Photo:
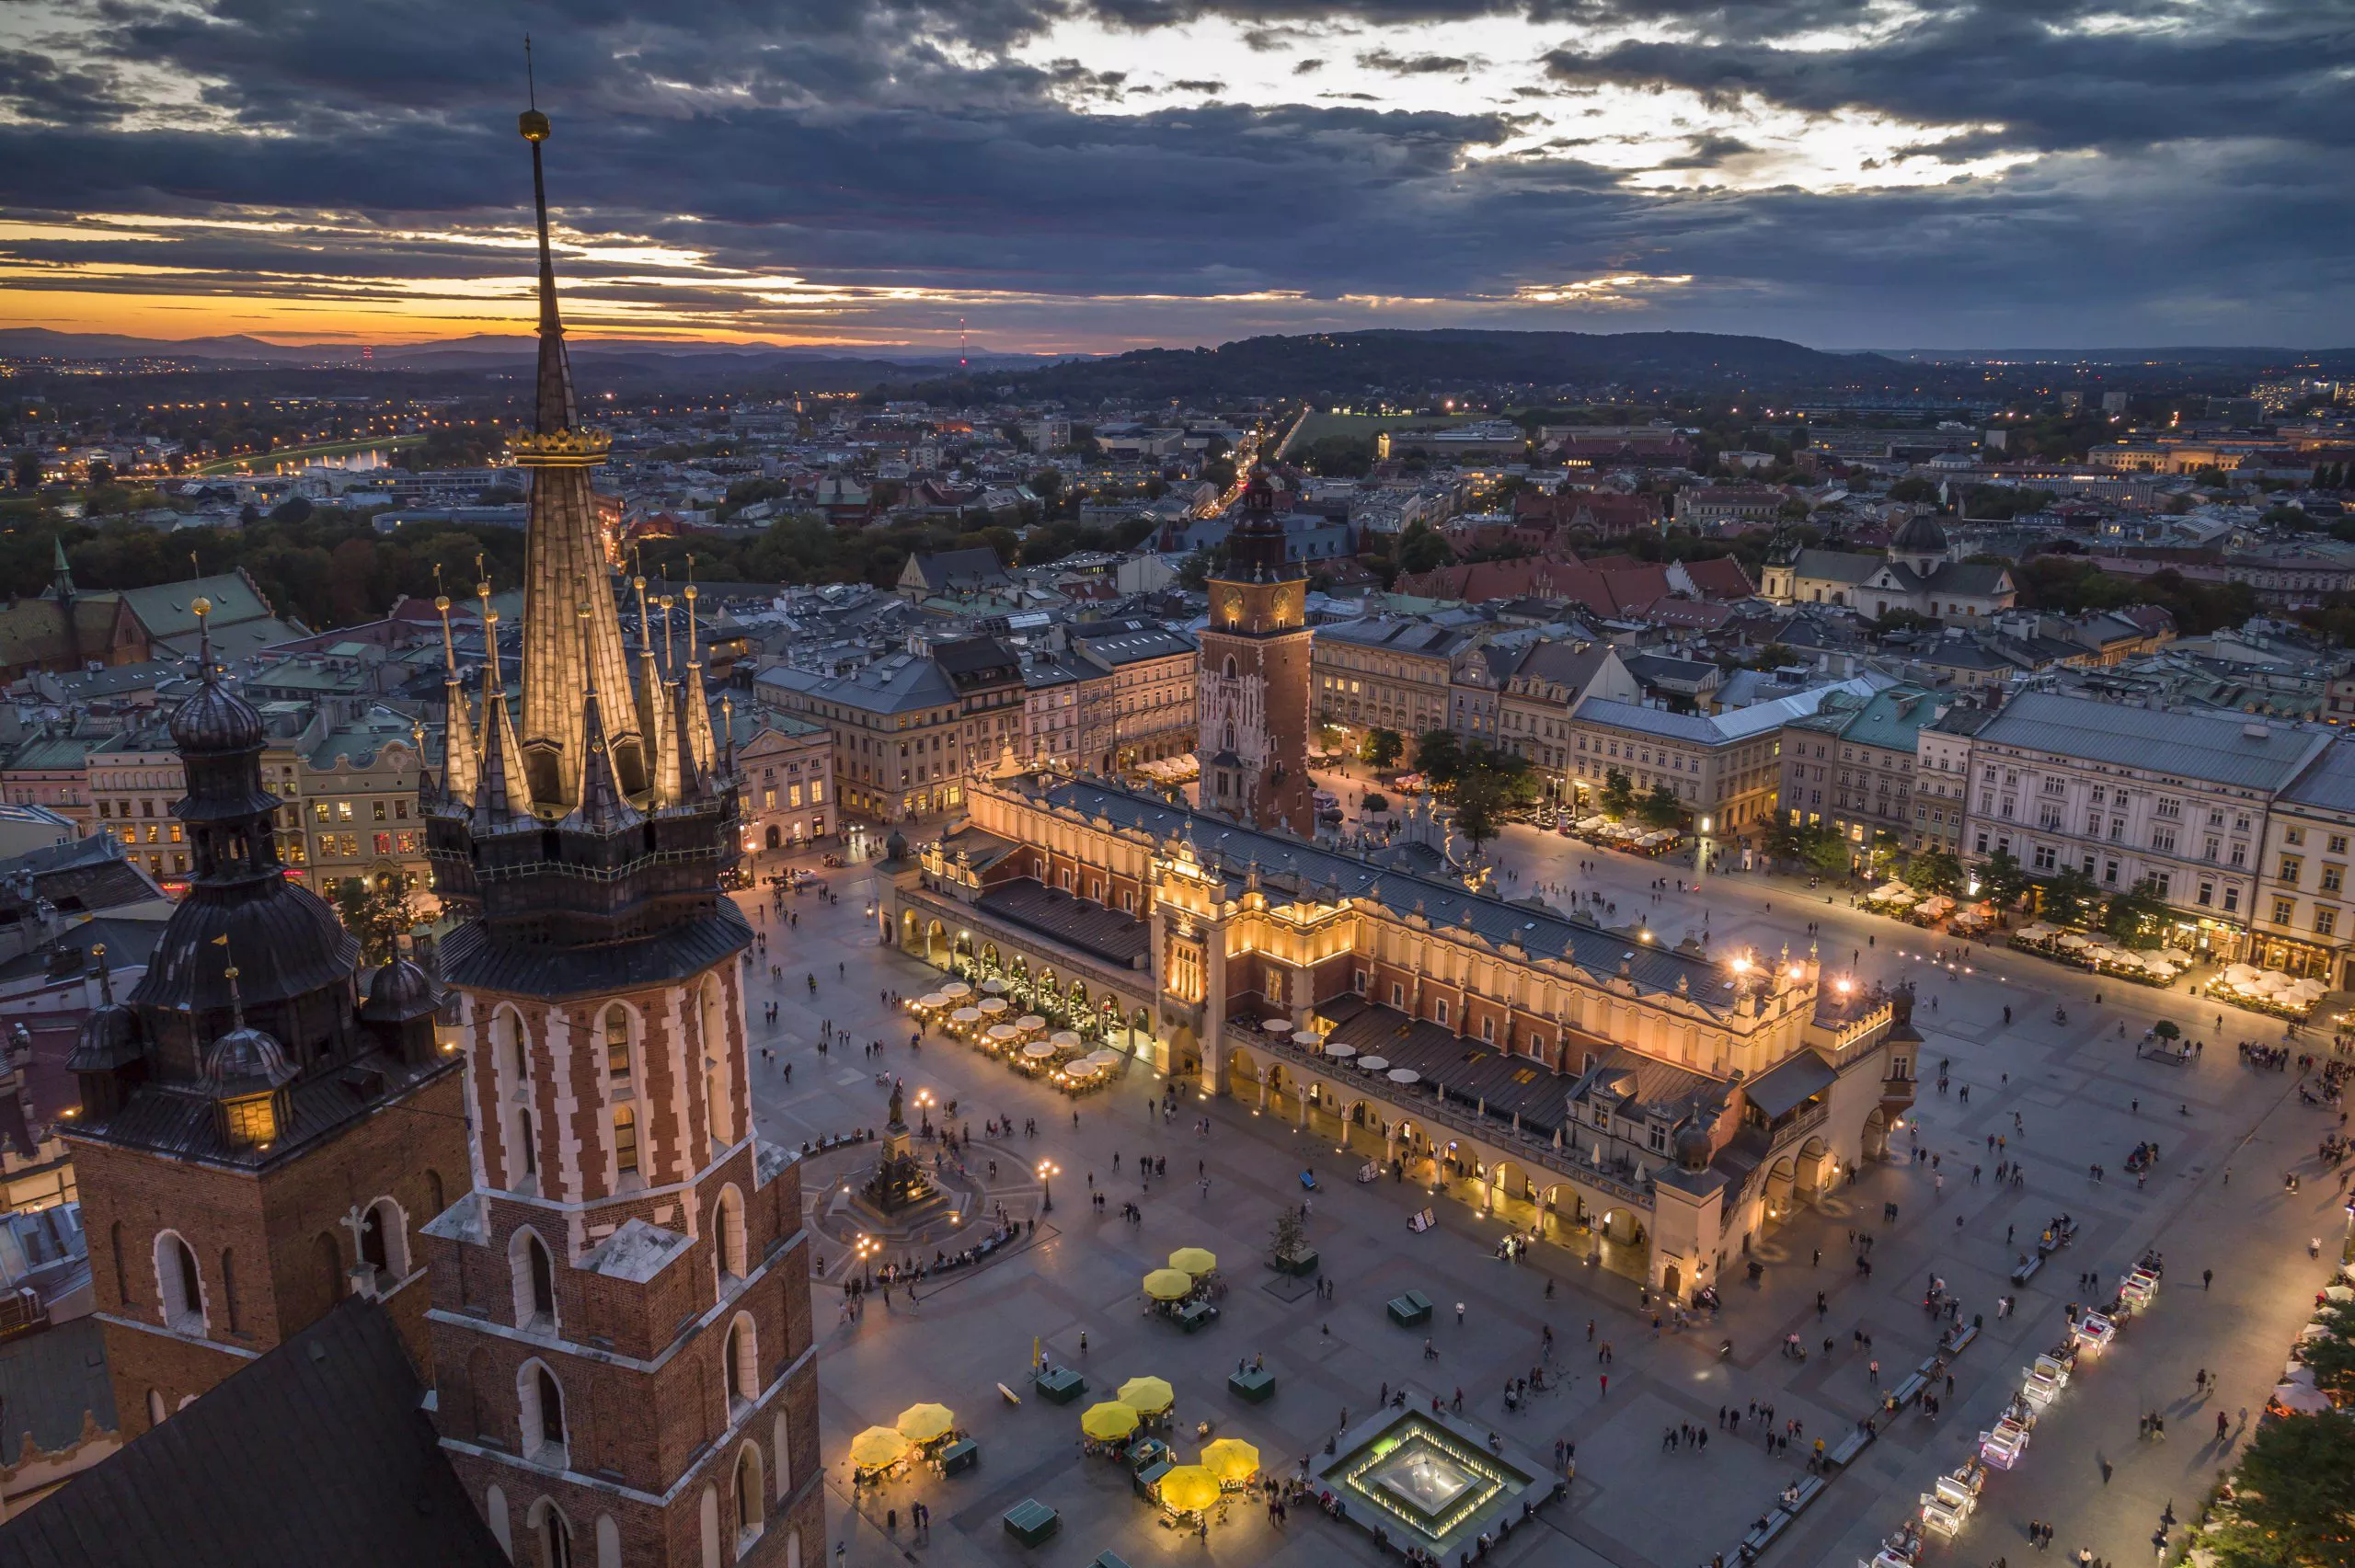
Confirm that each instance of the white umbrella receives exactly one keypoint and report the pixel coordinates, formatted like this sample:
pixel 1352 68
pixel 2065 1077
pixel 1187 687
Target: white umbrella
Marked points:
pixel 1030 1022
pixel 1374 1064
pixel 1039 1050
pixel 1106 1058
pixel 966 1015
pixel 1307 1038
pixel 1003 1031
pixel 2301 1400
pixel 1276 1025
pixel 956 989
pixel 936 999
pixel 1340 1053
pixel 992 1004
pixel 1064 1039
pixel 2072 941
pixel 993 985
pixel 1403 1075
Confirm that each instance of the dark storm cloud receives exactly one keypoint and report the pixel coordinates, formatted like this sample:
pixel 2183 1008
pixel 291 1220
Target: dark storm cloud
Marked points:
pixel 898 144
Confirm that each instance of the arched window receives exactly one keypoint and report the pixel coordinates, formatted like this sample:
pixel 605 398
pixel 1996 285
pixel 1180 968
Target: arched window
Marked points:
pixel 707 1512
pixel 1228 669
pixel 782 1441
pixel 729 1242
pixel 507 1046
pixel 618 1076
pixel 741 1368
pixel 540 1401
pixel 155 1411
pixel 434 1203
pixel 609 1543
pixel 624 1140
pixel 750 1517
pixel 534 1272
pixel 553 1534
pixel 527 1142
pixel 177 1285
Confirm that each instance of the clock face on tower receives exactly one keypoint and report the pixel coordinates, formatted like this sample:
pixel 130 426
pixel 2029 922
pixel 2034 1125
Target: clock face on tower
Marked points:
pixel 1230 605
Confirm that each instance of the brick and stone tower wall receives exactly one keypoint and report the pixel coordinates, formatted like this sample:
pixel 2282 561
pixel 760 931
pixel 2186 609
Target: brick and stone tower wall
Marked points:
pixel 621 1309
pixel 1252 710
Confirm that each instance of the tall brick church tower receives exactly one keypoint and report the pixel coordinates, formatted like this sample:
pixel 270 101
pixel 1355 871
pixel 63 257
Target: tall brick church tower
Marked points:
pixel 1252 711
pixel 621 1330
pixel 254 1142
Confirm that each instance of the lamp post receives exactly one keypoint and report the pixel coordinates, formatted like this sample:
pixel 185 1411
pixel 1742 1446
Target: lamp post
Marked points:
pixel 1047 1170
pixel 1701 856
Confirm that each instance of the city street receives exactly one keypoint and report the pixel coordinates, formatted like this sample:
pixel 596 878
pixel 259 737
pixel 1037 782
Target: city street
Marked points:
pixel 2062 1097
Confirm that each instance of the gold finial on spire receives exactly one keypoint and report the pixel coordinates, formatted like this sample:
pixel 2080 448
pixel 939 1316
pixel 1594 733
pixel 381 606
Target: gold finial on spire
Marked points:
pixel 531 122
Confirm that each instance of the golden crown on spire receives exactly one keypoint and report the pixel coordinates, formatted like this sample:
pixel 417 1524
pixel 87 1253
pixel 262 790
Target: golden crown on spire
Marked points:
pixel 559 448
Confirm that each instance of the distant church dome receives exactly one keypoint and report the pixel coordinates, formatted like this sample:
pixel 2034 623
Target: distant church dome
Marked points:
pixel 1920 536
pixel 246 1060
pixel 401 990
pixel 1693 1149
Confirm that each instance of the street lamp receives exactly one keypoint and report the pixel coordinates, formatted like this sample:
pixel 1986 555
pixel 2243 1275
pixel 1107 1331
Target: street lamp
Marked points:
pixel 1701 856
pixel 1047 1170
pixel 863 1252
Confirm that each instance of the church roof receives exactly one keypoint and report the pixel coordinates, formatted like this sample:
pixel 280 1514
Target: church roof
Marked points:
pixel 319 1452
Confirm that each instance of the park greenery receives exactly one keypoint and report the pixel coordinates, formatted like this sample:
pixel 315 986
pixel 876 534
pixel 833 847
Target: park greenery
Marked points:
pixel 378 916
pixel 2291 1502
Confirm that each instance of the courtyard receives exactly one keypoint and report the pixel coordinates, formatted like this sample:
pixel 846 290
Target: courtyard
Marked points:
pixel 2062 1097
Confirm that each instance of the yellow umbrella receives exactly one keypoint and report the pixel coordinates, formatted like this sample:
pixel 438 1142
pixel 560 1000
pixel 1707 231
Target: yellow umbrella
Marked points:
pixel 1108 1422
pixel 1168 1284
pixel 1147 1396
pixel 1231 1459
pixel 922 1422
pixel 1195 1261
pixel 877 1446
pixel 1189 1488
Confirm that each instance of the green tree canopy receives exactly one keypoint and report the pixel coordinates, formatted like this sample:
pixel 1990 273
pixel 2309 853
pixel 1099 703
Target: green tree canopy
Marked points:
pixel 1660 807
pixel 1381 747
pixel 2294 1502
pixel 1935 871
pixel 2001 878
pixel 1618 797
pixel 2069 897
pixel 379 917
pixel 1439 756
pixel 2133 915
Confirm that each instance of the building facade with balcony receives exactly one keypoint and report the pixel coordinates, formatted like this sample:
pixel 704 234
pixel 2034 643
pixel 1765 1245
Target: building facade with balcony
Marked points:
pixel 1852 765
pixel 2304 920
pixel 1657 1109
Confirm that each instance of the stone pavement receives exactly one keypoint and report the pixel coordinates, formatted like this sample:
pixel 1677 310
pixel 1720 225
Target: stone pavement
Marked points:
pixel 2072 1089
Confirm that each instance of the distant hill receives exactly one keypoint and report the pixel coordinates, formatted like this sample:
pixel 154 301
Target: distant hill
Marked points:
pixel 480 350
pixel 1349 364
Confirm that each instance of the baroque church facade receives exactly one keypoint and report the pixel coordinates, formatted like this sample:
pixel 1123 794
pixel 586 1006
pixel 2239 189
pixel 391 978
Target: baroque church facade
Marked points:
pixel 1917 573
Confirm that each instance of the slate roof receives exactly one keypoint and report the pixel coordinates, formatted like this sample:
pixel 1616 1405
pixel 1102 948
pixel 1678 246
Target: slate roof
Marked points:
pixel 1472 1072
pixel 2213 748
pixel 1789 1084
pixel 318 1452
pixel 48 1381
pixel 164 609
pixel 470 959
pixel 1837 565
pixel 2328 781
pixel 1117 938
pixel 1289 866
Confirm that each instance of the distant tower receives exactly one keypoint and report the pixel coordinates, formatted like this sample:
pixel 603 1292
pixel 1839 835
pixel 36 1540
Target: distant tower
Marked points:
pixel 622 1352
pixel 1253 704
pixel 252 1145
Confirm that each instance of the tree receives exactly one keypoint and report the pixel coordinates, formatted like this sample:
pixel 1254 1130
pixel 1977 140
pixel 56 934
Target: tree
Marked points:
pixel 1288 1239
pixel 1421 548
pixel 1618 794
pixel 2331 1358
pixel 2069 898
pixel 99 473
pixel 2167 1029
pixel 27 470
pixel 1935 871
pixel 1381 747
pixel 294 508
pixel 1486 795
pixel 379 917
pixel 1660 807
pixel 1825 852
pixel 2293 1498
pixel 1194 571
pixel 1439 757
pixel 2000 878
pixel 2132 917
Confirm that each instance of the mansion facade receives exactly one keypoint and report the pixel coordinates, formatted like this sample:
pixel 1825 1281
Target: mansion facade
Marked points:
pixel 1663 1108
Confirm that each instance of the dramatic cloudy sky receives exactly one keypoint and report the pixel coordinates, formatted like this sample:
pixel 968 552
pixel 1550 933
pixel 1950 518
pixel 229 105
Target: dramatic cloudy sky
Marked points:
pixel 1097 174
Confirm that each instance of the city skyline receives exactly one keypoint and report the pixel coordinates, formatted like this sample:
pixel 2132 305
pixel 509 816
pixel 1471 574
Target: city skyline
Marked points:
pixel 1061 177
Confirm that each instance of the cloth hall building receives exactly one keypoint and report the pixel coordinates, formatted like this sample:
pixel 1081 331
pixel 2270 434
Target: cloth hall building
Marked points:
pixel 1660 1109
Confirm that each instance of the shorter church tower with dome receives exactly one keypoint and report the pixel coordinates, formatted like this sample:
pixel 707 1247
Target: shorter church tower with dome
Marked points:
pixel 255 1140
pixel 1917 573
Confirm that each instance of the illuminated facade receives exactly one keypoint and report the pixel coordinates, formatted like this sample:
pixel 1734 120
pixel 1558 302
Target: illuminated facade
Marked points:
pixel 1659 1107
pixel 1252 706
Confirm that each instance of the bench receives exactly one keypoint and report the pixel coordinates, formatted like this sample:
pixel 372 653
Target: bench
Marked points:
pixel 1964 1338
pixel 2023 1273
pixel 1412 1309
pixel 1910 1389
pixel 1254 1385
pixel 1031 1521
pixel 1845 1451
pixel 1809 1490
pixel 960 1455
pixel 1765 1531
pixel 1109 1560
pixel 1060 1386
